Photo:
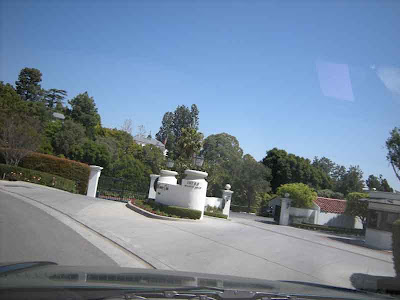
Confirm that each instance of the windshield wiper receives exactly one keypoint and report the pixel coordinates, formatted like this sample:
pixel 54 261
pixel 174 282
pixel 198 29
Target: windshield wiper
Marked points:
pixel 19 266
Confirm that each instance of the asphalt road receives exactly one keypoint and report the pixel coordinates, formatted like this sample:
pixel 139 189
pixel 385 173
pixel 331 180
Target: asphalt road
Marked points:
pixel 237 215
pixel 29 234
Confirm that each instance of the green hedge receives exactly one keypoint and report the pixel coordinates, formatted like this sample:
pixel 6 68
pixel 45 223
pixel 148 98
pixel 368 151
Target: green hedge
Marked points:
pixel 14 173
pixel 215 214
pixel 169 211
pixel 329 228
pixel 396 246
pixel 62 167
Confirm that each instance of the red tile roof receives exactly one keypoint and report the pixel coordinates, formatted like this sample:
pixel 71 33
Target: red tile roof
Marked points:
pixel 330 205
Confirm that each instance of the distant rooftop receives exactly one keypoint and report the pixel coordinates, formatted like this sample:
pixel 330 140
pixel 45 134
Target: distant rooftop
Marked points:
pixel 144 140
pixel 331 205
pixel 384 197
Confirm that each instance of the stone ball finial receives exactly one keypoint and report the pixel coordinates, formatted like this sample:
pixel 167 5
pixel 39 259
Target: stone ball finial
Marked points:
pixel 228 186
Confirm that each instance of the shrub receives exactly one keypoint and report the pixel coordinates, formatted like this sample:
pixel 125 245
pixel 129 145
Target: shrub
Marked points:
pixel 396 246
pixel 302 195
pixel 62 167
pixel 14 173
pixel 215 214
pixel 170 211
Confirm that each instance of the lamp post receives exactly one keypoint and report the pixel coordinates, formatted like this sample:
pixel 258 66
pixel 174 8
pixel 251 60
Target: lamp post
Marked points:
pixel 198 161
pixel 170 163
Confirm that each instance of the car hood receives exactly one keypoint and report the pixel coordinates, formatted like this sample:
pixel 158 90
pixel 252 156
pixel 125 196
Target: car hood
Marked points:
pixel 17 278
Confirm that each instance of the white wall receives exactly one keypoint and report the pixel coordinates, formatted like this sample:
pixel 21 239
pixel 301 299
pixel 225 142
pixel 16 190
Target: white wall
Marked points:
pixel 190 194
pixel 299 215
pixel 378 239
pixel 338 220
pixel 214 202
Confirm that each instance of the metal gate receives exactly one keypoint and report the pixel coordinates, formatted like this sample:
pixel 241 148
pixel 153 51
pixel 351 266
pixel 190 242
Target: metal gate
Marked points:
pixel 118 189
pixel 277 214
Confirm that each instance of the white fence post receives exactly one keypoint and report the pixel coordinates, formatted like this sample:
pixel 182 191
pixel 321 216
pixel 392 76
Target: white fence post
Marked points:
pixel 94 176
pixel 152 191
pixel 227 197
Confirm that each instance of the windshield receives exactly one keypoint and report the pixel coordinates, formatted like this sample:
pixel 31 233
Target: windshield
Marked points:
pixel 257 139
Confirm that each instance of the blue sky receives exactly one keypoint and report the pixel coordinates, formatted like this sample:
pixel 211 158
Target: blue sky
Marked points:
pixel 316 78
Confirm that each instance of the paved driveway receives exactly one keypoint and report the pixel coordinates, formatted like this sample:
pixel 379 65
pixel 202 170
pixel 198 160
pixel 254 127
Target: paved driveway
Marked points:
pixel 243 247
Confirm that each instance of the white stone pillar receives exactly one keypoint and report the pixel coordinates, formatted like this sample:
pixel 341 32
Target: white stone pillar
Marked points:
pixel 152 191
pixel 227 197
pixel 167 176
pixel 196 186
pixel 284 217
pixel 94 176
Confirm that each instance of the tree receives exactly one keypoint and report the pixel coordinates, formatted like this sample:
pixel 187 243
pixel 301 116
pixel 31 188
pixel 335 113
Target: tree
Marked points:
pixel 351 181
pixel 152 157
pixel 325 164
pixel 393 147
pixel 10 101
pixel 189 144
pixel 357 208
pixel 378 183
pixel 68 138
pixel 252 182
pixel 290 168
pixel 173 123
pixel 127 126
pixel 166 135
pixel 302 196
pixel 92 153
pixel 84 111
pixel 55 98
pixel 222 161
pixel 28 84
pixel 18 137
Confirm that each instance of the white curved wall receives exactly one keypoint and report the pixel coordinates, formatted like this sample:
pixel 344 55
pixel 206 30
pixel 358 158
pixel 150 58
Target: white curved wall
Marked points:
pixel 191 194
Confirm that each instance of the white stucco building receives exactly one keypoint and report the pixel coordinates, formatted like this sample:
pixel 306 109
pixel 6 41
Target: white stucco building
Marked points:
pixel 383 210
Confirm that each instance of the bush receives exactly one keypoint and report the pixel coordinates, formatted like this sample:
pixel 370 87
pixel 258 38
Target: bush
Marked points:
pixel 65 168
pixel 396 246
pixel 14 173
pixel 170 211
pixel 329 228
pixel 302 195
pixel 215 214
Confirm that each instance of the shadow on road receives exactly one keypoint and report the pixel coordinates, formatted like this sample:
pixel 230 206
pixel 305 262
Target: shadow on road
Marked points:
pixel 267 222
pixel 356 241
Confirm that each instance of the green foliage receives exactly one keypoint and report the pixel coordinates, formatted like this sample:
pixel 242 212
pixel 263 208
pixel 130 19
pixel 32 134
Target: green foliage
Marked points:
pixel 396 246
pixel 171 211
pixel 339 230
pixel 67 137
pixel 357 208
pixel 172 125
pixel 327 193
pixel 189 144
pixel 252 181
pixel 92 153
pixel 393 147
pixel 132 170
pixel 18 136
pixel 379 184
pixel 222 161
pixel 215 214
pixel 289 168
pixel 14 173
pixel 28 84
pixel 10 102
pixel 302 195
pixel 65 168
pixel 54 98
pixel 153 157
pixel 351 181
pixel 83 110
